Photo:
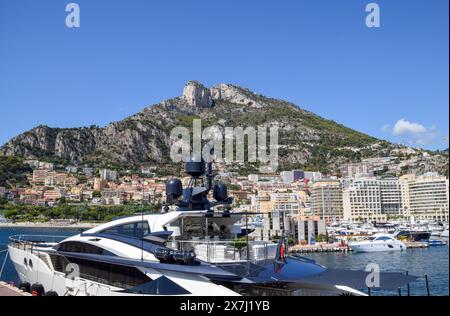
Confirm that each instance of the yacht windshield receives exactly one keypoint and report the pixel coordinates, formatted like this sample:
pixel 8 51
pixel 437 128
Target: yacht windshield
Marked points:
pixel 135 230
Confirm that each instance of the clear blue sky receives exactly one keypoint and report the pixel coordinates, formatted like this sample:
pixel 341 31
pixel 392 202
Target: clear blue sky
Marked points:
pixel 390 82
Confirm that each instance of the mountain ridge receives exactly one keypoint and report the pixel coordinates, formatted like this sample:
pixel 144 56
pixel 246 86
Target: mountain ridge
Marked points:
pixel 306 139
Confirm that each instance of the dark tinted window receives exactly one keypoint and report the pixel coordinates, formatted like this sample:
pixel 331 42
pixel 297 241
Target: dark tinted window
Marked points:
pixel 80 247
pixel 383 238
pixel 136 230
pixel 106 273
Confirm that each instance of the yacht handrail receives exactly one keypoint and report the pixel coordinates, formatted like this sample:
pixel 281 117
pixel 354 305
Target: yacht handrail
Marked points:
pixel 224 251
pixel 35 239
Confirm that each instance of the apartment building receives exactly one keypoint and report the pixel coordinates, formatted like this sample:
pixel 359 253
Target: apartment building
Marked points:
pixel 55 179
pixel 39 176
pixel 113 197
pixel 276 208
pixel 108 175
pixel 326 200
pixel 356 170
pixel 425 197
pixel 362 201
pixel 292 176
pixel 391 197
pixel 309 230
pixel 53 195
pixel 313 175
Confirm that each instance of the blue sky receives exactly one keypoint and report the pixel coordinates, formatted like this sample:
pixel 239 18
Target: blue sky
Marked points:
pixel 390 82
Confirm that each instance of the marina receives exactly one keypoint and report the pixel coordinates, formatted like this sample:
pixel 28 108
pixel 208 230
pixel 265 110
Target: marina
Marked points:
pixel 432 261
pixel 195 246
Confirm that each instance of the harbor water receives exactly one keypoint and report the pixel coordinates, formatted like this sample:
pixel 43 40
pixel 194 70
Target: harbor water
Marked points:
pixel 432 261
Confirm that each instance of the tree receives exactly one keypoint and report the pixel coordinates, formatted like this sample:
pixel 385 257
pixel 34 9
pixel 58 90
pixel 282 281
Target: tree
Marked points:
pixel 11 214
pixel 96 194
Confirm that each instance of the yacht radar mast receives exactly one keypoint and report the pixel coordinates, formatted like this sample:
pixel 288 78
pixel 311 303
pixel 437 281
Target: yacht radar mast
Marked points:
pixel 195 196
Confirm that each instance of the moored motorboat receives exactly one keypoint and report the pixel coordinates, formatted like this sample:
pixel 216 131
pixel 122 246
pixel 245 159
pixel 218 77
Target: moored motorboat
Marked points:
pixel 378 242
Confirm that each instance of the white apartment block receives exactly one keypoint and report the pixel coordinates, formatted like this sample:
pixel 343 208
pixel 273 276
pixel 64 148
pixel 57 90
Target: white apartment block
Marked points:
pixel 425 197
pixel 356 170
pixel 362 201
pixel 391 197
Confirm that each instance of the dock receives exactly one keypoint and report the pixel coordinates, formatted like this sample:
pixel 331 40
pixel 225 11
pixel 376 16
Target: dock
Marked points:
pixel 339 248
pixel 416 244
pixel 9 290
pixel 318 248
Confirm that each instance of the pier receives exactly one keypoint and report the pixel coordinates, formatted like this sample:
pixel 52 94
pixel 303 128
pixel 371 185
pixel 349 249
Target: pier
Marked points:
pixel 10 290
pixel 416 244
pixel 318 248
pixel 339 248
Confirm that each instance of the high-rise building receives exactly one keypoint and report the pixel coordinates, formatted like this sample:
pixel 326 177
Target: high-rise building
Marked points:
pixel 277 208
pixel 362 201
pixel 425 197
pixel 391 197
pixel 326 200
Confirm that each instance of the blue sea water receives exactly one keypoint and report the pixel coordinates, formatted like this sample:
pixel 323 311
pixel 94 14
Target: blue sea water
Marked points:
pixel 433 261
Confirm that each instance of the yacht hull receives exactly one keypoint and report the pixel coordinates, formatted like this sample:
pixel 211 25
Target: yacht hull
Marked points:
pixel 373 247
pixel 41 271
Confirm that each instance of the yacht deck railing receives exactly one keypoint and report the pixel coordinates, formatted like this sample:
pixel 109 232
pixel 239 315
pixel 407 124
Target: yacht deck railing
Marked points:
pixel 29 242
pixel 229 251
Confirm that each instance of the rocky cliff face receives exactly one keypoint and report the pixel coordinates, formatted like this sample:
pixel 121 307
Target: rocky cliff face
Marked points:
pixel 306 140
pixel 196 94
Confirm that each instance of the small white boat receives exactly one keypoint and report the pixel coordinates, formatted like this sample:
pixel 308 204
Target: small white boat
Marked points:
pixel 445 233
pixel 377 243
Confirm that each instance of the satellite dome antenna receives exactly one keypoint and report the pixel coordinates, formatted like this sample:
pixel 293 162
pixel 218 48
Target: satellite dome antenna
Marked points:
pixel 195 195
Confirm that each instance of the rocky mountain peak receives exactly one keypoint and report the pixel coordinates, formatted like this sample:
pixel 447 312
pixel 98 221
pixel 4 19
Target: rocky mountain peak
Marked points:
pixel 197 95
pixel 234 94
pixel 306 140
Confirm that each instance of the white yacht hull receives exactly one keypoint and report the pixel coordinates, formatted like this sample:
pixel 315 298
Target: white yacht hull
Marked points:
pixel 42 272
pixel 377 247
